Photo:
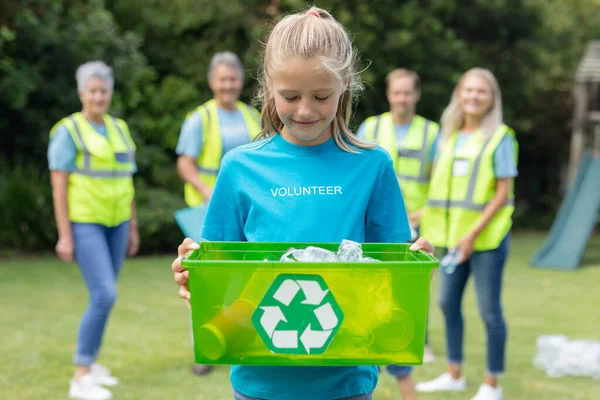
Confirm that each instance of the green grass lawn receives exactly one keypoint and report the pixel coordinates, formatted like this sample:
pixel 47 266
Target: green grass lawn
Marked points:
pixel 147 343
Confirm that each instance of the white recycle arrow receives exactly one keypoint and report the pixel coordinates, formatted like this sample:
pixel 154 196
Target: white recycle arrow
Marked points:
pixel 326 316
pixel 285 339
pixel 312 291
pixel 286 292
pixel 270 318
pixel 313 339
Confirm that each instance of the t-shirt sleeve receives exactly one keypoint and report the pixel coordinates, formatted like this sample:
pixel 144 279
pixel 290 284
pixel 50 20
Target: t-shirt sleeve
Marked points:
pixel 361 133
pixel 505 165
pixel 62 151
pixel 190 138
pixel 387 220
pixel 225 217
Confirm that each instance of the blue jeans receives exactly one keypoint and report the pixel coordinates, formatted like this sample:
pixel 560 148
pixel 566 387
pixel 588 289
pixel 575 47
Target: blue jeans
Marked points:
pixel 487 268
pixel 99 251
pixel 399 371
pixel 240 396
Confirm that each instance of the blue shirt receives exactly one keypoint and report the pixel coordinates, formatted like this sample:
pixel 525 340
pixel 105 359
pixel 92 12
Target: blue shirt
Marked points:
pixel 62 150
pixel 232 125
pixel 276 191
pixel 505 165
pixel 401 132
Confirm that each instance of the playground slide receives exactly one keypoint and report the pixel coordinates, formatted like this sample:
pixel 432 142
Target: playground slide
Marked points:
pixel 575 221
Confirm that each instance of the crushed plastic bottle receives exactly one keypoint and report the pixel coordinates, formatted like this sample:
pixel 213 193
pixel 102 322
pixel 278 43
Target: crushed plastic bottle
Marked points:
pixel 559 356
pixel 350 251
pixel 450 261
pixel 310 254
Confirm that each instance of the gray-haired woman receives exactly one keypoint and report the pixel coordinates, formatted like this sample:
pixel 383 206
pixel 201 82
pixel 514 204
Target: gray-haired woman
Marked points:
pixel 214 128
pixel 91 157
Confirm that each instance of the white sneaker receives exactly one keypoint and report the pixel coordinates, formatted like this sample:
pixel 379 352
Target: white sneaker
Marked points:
pixel 443 383
pixel 487 392
pixel 428 356
pixel 88 389
pixel 102 375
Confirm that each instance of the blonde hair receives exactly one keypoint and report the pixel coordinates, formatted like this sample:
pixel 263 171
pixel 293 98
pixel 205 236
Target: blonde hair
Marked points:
pixel 403 73
pixel 306 36
pixel 453 116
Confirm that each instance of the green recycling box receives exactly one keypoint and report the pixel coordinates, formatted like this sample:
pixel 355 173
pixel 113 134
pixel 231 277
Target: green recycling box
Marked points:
pixel 249 308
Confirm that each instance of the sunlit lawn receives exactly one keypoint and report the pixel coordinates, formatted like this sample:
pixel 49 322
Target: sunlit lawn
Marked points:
pixel 147 343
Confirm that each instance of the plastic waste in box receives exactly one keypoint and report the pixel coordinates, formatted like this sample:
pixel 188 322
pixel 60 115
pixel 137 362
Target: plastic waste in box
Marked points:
pixel 250 308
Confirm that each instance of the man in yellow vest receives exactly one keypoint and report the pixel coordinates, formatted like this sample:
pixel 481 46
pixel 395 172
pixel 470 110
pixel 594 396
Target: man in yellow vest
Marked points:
pixel 210 131
pixel 410 140
pixel 214 128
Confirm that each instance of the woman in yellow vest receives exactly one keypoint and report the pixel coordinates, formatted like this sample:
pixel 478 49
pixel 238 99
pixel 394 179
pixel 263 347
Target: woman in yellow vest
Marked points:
pixel 91 157
pixel 469 210
pixel 214 128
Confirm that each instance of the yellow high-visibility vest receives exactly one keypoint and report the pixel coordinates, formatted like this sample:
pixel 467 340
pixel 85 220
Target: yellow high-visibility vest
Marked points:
pixel 209 159
pixel 100 188
pixel 457 200
pixel 410 158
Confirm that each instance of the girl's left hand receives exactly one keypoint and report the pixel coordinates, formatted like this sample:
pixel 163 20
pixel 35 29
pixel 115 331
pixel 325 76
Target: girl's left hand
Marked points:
pixel 466 245
pixel 134 242
pixel 422 244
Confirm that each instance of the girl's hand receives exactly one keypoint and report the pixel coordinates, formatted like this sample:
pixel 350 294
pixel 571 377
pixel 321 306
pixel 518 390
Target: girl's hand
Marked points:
pixel 180 274
pixel 423 244
pixel 64 248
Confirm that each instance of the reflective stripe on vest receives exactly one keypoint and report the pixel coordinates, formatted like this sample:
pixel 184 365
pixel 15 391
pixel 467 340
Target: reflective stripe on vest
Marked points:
pixel 457 202
pixel 100 188
pixel 468 203
pixel 420 154
pixel 209 160
pixel 87 156
pixel 409 156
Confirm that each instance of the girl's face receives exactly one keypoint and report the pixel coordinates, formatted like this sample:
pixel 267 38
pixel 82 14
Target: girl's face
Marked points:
pixel 475 96
pixel 306 99
pixel 96 96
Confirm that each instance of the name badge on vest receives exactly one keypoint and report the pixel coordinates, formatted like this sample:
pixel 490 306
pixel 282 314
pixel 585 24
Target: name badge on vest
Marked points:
pixel 460 167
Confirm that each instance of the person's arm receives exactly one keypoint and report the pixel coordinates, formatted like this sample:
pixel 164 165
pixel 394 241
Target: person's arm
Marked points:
pixel 186 168
pixel 491 209
pixel 134 234
pixel 60 183
pixel 505 170
pixel 189 148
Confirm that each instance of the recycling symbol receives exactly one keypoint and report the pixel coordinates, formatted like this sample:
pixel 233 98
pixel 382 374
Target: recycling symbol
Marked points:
pixel 298 315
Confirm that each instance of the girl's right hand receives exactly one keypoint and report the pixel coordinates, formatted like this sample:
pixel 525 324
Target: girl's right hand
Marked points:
pixel 64 248
pixel 180 274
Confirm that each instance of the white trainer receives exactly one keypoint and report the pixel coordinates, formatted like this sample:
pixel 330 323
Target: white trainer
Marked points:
pixel 487 392
pixel 102 375
pixel 88 389
pixel 428 356
pixel 443 383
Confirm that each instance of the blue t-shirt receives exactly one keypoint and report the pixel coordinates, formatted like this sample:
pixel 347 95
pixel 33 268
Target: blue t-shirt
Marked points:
pixel 401 132
pixel 276 191
pixel 62 150
pixel 232 125
pixel 505 165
